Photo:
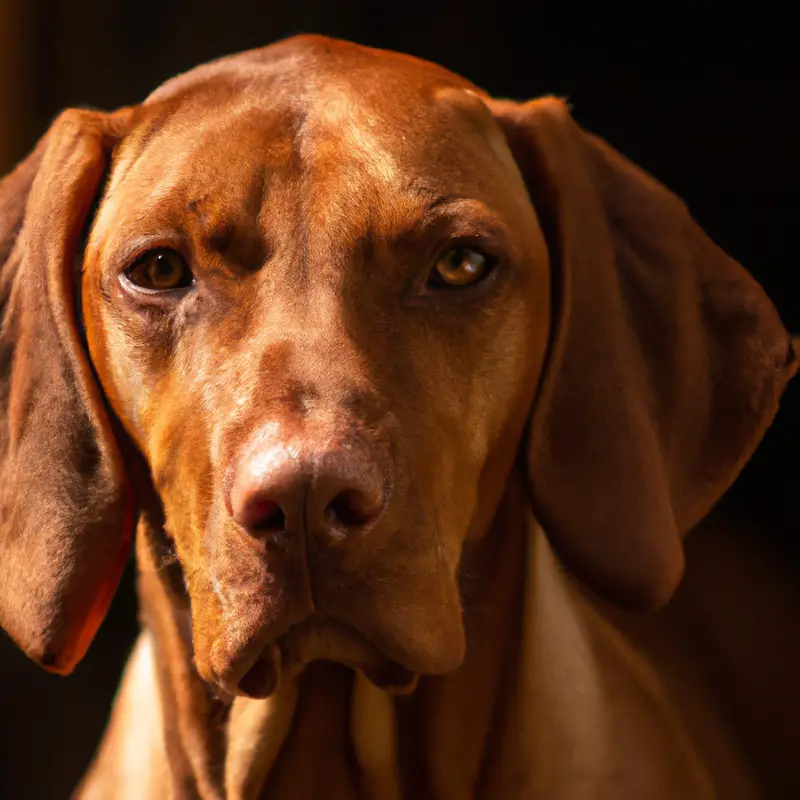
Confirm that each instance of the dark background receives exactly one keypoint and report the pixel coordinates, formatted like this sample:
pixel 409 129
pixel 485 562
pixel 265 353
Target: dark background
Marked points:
pixel 702 97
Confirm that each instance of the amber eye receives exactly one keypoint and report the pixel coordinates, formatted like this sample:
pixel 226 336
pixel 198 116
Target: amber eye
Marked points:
pixel 459 267
pixel 160 271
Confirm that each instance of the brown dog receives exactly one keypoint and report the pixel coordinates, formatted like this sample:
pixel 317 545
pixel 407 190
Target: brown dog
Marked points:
pixel 348 331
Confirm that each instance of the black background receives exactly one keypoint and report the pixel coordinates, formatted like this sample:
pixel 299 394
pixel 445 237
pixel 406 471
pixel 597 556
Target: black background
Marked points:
pixel 702 97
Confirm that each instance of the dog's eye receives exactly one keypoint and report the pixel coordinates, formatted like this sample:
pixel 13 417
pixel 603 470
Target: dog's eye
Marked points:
pixel 459 267
pixel 160 271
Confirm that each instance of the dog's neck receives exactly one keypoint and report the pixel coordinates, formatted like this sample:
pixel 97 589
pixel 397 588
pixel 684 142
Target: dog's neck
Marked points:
pixel 330 733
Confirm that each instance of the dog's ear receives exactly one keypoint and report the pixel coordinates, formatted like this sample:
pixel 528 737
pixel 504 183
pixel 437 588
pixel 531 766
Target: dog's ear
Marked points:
pixel 66 510
pixel 666 366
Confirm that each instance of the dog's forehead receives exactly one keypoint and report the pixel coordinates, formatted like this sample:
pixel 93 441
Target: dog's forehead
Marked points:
pixel 333 99
pixel 343 115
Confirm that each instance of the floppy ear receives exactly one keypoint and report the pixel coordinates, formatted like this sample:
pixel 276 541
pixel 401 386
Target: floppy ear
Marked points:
pixel 667 362
pixel 66 510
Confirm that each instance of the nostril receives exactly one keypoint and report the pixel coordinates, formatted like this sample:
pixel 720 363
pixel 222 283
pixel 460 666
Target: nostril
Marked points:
pixel 266 516
pixel 350 509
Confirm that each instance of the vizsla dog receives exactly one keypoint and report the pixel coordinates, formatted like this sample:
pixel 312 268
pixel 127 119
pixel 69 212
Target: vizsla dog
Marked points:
pixel 405 391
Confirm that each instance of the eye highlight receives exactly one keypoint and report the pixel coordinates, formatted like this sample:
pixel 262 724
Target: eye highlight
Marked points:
pixel 459 267
pixel 160 271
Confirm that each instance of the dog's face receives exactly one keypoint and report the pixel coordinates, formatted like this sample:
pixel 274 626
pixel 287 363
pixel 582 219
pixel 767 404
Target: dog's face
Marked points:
pixel 322 324
pixel 317 297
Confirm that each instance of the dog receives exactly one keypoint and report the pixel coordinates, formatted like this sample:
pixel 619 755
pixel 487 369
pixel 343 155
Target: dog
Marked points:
pixel 410 395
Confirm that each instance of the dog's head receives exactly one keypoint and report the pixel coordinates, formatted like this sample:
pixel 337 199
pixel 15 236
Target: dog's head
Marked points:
pixel 332 297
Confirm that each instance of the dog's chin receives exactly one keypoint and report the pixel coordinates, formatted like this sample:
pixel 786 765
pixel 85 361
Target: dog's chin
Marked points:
pixel 318 639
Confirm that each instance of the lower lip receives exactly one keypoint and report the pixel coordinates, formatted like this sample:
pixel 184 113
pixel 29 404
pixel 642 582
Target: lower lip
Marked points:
pixel 310 641
pixel 263 678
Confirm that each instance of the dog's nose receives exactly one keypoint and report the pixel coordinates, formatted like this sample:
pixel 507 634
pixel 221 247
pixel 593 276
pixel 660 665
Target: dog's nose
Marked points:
pixel 333 493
